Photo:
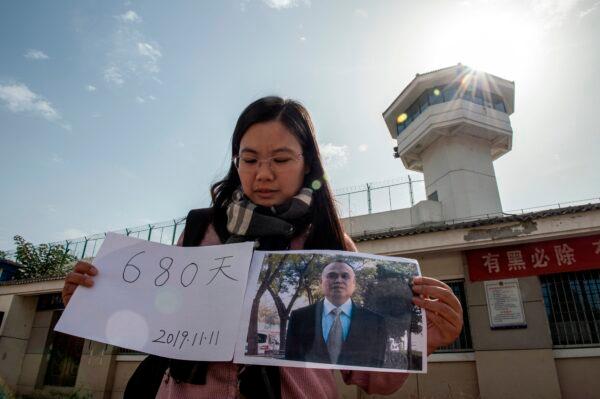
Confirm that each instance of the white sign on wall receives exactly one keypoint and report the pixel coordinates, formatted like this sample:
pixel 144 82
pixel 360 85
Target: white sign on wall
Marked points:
pixel 505 307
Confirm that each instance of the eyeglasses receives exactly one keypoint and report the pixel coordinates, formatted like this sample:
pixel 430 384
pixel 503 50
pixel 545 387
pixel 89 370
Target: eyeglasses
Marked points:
pixel 248 163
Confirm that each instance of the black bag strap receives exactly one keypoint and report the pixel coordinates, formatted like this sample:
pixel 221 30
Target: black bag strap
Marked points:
pixel 146 378
pixel 196 223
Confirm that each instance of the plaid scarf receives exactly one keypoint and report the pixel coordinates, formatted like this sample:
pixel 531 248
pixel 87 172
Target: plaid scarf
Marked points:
pixel 273 227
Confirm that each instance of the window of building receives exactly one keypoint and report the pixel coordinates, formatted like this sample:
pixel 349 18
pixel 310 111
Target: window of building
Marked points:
pixel 433 196
pixel 424 101
pixel 50 302
pixel 478 97
pixel 400 127
pixel 463 343
pixel 498 103
pixel 65 354
pixel 572 303
pixel 449 92
pixel 437 95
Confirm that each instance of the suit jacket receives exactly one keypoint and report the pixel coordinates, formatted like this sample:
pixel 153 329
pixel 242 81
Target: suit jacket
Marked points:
pixel 364 346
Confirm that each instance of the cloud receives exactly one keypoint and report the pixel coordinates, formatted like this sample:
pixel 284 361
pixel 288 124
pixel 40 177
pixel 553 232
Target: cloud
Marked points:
pixel 584 13
pixel 56 158
pixel 302 39
pixel 112 74
pixel 363 147
pixel 129 16
pixel 132 54
pixel 90 88
pixel 359 12
pixel 33 54
pixel 142 99
pixel 18 98
pixel 281 4
pixel 151 55
pixel 334 156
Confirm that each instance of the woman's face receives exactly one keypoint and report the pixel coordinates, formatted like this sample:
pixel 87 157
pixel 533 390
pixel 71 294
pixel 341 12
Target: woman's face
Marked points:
pixel 271 167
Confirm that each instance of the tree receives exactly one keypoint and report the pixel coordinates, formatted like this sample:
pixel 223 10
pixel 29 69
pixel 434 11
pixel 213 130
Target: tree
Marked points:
pixel 266 276
pixel 3 255
pixel 268 315
pixel 45 260
pixel 390 295
pixel 298 275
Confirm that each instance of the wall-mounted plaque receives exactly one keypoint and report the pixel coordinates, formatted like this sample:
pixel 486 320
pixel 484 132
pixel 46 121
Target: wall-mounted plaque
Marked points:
pixel 505 307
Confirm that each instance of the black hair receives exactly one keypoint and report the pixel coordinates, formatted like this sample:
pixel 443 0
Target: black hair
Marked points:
pixel 326 230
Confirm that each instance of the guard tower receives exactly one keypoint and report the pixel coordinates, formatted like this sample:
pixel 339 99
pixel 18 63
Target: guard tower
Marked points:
pixel 451 124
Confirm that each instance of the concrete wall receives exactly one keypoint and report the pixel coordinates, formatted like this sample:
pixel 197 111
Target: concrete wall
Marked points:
pixel 35 360
pixel 422 212
pixel 123 371
pixel 578 377
pixel 15 334
pixel 460 169
pixel 97 369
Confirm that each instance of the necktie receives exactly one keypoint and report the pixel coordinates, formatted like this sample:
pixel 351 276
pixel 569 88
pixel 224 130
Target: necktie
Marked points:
pixel 334 340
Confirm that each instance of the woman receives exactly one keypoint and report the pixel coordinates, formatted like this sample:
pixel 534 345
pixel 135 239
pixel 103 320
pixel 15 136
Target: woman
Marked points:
pixel 275 192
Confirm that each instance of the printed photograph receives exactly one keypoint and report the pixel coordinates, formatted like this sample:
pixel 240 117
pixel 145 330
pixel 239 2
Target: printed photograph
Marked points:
pixel 337 309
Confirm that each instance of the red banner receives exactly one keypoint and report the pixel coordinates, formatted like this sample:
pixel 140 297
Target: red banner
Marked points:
pixel 546 257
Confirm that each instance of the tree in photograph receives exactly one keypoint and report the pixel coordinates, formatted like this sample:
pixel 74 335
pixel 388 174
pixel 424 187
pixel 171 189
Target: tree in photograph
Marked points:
pixel 268 315
pixel 300 275
pixel 269 271
pixel 389 293
pixel 44 260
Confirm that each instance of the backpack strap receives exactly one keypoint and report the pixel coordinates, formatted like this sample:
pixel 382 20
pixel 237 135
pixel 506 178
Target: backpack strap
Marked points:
pixel 146 378
pixel 197 222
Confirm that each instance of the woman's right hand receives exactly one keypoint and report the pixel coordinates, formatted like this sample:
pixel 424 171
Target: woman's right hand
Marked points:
pixel 82 274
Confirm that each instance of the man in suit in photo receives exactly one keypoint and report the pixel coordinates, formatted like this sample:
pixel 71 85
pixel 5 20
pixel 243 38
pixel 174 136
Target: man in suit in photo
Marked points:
pixel 336 330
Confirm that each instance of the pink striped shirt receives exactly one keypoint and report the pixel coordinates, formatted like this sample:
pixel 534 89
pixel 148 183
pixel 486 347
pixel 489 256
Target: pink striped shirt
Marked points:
pixel 301 383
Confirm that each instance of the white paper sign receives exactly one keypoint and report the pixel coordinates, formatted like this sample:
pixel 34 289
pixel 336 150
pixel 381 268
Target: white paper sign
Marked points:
pixel 505 307
pixel 181 303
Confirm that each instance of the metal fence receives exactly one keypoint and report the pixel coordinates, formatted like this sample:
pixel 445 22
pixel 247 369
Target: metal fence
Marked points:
pixel 351 201
pixel 379 196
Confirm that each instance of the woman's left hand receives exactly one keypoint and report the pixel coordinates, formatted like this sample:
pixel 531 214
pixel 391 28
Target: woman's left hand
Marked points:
pixel 444 312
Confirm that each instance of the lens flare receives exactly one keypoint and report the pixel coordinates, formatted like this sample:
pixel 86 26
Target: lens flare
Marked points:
pixel 315 185
pixel 436 92
pixel 402 117
pixel 127 329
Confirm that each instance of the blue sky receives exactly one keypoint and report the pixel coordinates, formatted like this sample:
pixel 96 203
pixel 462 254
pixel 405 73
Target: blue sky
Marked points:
pixel 119 113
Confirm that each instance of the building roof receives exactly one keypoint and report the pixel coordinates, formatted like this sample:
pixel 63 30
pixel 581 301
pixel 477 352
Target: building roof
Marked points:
pixel 464 224
pixel 31 280
pixel 9 262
